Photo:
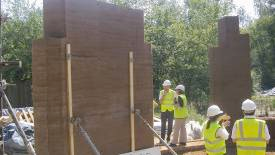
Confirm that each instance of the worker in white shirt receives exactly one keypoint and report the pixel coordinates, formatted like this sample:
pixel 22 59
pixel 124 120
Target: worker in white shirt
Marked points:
pixel 214 131
pixel 250 134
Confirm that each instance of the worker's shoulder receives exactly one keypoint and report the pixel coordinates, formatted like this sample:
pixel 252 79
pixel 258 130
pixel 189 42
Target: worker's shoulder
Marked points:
pixel 204 124
pixel 171 90
pixel 183 97
pixel 238 120
pixel 259 120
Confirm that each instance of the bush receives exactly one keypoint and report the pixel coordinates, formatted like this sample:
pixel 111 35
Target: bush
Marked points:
pixel 195 116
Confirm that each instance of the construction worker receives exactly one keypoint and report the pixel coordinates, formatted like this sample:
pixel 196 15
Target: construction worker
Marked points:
pixel 214 132
pixel 250 134
pixel 180 115
pixel 166 98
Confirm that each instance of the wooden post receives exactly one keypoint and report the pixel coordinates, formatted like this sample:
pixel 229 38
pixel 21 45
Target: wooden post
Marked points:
pixel 69 99
pixel 132 107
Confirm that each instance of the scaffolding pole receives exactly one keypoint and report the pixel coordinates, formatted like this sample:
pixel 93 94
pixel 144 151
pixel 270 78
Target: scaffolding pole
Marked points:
pixel 21 132
pixel 132 107
pixel 69 99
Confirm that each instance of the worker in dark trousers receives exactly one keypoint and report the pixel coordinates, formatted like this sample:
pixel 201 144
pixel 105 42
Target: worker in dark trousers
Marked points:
pixel 166 99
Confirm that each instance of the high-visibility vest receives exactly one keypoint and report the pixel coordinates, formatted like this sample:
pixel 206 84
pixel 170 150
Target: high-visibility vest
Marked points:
pixel 181 112
pixel 250 136
pixel 213 145
pixel 167 101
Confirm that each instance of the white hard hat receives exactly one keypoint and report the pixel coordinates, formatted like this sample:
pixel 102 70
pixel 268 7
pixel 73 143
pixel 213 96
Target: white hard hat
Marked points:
pixel 166 83
pixel 213 111
pixel 248 105
pixel 180 87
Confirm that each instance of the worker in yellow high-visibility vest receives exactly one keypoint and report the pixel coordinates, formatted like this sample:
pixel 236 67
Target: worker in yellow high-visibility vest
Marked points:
pixel 180 114
pixel 214 132
pixel 166 99
pixel 250 134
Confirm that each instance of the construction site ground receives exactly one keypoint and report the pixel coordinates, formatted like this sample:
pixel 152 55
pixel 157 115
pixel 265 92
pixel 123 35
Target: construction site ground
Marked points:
pixel 197 148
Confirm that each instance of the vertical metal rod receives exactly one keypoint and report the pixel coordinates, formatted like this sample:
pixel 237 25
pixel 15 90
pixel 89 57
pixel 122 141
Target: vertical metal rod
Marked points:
pixel 132 107
pixel 69 99
pixel 154 132
pixel 21 132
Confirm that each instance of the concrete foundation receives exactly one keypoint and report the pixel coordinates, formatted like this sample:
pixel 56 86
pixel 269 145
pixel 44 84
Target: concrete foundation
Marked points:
pixel 101 36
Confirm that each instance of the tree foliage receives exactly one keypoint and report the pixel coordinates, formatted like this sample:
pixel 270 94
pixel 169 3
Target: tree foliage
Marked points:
pixel 262 34
pixel 265 7
pixel 23 25
pixel 180 31
pixel 181 36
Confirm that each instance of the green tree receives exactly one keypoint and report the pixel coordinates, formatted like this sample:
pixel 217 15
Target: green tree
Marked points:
pixel 181 35
pixel 265 7
pixel 23 25
pixel 262 32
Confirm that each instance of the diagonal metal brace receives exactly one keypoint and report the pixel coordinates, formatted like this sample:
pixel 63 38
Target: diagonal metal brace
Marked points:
pixel 77 123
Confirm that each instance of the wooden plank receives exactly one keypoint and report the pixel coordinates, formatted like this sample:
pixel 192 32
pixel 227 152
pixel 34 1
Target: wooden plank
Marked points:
pixel 132 107
pixel 26 118
pixel 30 114
pixel 69 98
pixel 100 79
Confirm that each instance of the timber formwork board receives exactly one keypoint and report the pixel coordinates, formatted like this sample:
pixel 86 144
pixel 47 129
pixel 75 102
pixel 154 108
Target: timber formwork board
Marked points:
pixel 229 68
pixel 101 36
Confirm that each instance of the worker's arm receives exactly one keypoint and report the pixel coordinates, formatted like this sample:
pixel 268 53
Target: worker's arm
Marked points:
pixel 267 135
pixel 222 133
pixel 161 95
pixel 180 102
pixel 233 135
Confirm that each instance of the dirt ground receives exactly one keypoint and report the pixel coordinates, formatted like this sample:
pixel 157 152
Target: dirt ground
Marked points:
pixel 230 152
pixel 198 145
pixel 202 153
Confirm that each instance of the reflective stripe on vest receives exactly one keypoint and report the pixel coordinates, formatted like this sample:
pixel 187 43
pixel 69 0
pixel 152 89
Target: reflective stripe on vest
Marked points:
pixel 213 145
pixel 167 101
pixel 181 112
pixel 250 136
pixel 222 149
pixel 213 142
pixel 260 133
pixel 251 148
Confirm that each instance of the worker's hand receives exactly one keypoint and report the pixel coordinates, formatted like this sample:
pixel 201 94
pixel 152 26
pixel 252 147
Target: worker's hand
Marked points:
pixel 164 94
pixel 226 123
